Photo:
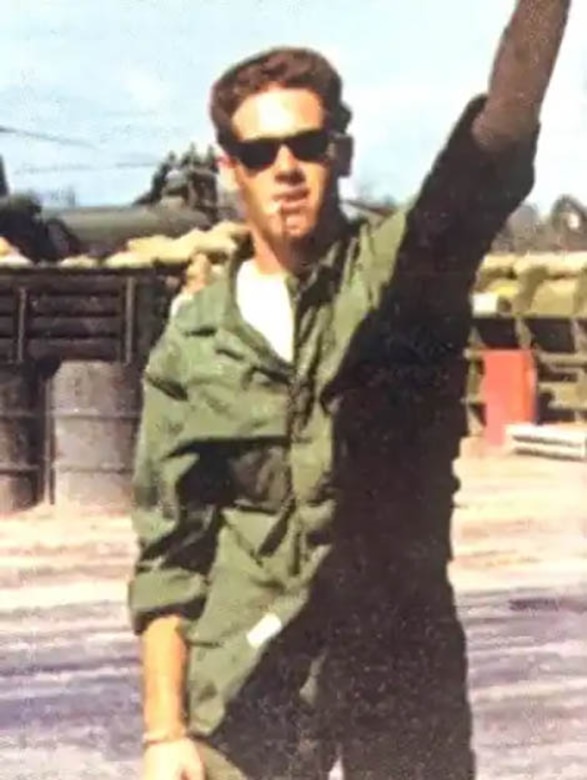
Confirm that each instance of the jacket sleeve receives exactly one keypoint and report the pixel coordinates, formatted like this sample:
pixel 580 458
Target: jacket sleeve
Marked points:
pixel 174 526
pixel 482 175
pixel 463 202
pixel 522 70
pixel 422 261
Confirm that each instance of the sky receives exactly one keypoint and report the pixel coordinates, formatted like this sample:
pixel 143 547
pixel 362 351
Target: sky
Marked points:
pixel 131 78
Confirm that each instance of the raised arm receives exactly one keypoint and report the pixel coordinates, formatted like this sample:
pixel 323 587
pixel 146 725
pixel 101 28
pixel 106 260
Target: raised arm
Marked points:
pixel 521 73
pixel 422 261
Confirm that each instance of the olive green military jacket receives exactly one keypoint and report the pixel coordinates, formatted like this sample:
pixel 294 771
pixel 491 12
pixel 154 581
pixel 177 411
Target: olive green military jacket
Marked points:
pixel 250 471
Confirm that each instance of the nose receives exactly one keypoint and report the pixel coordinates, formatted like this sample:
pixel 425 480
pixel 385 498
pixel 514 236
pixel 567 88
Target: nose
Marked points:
pixel 286 162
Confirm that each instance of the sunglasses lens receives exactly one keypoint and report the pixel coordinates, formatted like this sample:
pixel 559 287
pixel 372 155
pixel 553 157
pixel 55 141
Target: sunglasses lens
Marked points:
pixel 310 146
pixel 256 155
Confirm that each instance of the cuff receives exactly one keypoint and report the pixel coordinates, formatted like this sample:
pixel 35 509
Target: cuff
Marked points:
pixel 155 593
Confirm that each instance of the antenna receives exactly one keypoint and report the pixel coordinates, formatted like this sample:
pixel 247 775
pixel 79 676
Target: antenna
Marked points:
pixel 54 139
pixel 3 179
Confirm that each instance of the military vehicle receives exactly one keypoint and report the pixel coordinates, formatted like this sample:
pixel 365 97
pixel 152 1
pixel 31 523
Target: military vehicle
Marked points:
pixel 182 195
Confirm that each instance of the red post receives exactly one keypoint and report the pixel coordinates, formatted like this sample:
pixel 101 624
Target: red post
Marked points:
pixel 509 391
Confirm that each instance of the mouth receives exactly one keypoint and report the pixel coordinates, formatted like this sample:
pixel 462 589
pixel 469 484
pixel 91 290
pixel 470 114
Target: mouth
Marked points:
pixel 291 200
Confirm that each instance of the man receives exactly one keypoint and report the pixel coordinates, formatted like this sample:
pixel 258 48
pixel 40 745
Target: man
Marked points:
pixel 294 482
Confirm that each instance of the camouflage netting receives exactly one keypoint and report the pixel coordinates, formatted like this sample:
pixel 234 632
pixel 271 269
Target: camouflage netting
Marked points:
pixel 535 284
pixel 506 282
pixel 199 254
pixel 10 256
pixel 217 244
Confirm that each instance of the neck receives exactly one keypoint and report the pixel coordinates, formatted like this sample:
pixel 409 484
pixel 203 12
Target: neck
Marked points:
pixel 280 257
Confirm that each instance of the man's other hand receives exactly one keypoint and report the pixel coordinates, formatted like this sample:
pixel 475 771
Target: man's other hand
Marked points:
pixel 177 760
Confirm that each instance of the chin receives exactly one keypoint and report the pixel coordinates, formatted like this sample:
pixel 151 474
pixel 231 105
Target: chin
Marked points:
pixel 305 230
pixel 301 233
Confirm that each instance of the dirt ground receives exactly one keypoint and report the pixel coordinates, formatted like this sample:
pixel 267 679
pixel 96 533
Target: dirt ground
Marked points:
pixel 69 689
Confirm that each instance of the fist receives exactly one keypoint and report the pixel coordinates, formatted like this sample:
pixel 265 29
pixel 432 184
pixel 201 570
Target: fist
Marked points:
pixel 178 760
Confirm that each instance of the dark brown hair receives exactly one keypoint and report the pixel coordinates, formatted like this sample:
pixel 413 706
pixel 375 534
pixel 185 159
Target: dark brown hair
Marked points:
pixel 286 66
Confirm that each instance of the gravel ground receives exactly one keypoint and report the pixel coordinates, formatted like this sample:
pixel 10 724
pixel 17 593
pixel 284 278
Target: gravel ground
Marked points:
pixel 69 694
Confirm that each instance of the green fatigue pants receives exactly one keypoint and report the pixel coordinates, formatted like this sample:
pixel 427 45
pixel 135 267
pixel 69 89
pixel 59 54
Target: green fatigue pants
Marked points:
pixel 269 736
pixel 396 680
pixel 219 767
pixel 390 701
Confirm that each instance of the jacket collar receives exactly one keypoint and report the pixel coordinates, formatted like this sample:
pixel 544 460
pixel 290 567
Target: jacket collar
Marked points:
pixel 214 310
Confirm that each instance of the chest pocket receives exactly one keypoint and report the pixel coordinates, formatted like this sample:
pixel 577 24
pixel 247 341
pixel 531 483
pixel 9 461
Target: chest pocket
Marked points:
pixel 258 474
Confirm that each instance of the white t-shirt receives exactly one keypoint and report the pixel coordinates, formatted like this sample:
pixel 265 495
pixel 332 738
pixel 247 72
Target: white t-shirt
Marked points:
pixel 264 302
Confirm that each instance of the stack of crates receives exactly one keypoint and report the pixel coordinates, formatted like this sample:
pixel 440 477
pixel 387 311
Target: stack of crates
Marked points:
pixel 73 343
pixel 535 302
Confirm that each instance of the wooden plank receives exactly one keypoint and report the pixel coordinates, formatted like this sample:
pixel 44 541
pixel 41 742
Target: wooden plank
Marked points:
pixel 74 327
pixel 77 285
pixel 73 349
pixel 6 349
pixel 7 303
pixel 73 305
pixel 6 327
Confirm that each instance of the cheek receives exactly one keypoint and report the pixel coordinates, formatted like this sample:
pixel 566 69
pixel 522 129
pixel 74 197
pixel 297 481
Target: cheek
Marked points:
pixel 254 189
pixel 319 180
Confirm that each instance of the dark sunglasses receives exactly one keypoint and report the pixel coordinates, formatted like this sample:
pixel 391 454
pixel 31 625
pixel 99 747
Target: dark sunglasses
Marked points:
pixel 259 153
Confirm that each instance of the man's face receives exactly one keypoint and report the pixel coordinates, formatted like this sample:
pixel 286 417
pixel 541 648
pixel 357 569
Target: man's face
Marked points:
pixel 283 186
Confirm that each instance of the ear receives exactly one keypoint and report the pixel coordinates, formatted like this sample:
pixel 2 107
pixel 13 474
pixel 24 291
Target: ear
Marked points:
pixel 226 171
pixel 343 154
